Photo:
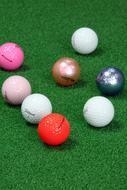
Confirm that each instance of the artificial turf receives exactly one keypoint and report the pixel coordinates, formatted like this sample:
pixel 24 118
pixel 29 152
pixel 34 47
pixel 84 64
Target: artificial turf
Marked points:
pixel 91 159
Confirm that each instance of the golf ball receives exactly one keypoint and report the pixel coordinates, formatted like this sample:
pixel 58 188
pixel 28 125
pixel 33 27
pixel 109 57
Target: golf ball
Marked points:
pixel 66 71
pixel 54 129
pixel 110 81
pixel 98 111
pixel 11 56
pixel 35 107
pixel 84 40
pixel 15 89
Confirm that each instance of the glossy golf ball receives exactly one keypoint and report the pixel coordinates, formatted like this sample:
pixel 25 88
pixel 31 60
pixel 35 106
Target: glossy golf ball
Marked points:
pixel 15 89
pixel 84 40
pixel 98 111
pixel 35 107
pixel 110 81
pixel 11 56
pixel 66 71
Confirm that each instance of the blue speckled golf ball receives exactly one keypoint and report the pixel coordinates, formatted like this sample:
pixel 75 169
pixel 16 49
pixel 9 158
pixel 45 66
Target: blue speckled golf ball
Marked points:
pixel 110 81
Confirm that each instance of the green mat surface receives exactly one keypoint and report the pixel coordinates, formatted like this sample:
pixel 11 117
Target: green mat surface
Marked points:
pixel 91 159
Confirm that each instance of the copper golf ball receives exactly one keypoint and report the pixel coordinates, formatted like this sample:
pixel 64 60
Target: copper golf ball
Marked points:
pixel 66 71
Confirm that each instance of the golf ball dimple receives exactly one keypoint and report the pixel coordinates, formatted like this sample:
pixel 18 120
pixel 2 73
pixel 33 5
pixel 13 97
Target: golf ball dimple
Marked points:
pixel 15 89
pixel 110 81
pixel 98 111
pixel 35 107
pixel 84 40
pixel 11 56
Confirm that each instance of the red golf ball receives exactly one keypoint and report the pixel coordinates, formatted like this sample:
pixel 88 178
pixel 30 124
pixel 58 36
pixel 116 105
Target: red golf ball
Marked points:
pixel 54 129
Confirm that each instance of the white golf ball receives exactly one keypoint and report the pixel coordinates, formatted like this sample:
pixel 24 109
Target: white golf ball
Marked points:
pixel 84 40
pixel 98 111
pixel 35 107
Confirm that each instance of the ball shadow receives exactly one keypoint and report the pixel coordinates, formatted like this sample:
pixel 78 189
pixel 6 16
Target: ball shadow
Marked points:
pixel 80 84
pixel 120 95
pixel 114 126
pixel 97 53
pixel 2 69
pixel 31 125
pixel 68 145
pixel 11 105
pixel 23 68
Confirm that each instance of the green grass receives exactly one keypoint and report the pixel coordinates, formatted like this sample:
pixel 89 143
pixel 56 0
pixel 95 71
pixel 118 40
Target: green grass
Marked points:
pixel 92 159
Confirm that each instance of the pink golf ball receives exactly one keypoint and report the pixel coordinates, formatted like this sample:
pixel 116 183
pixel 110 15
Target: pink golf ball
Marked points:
pixel 15 89
pixel 11 56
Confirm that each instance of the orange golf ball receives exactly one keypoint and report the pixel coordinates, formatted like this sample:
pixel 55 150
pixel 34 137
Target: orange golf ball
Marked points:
pixel 54 129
